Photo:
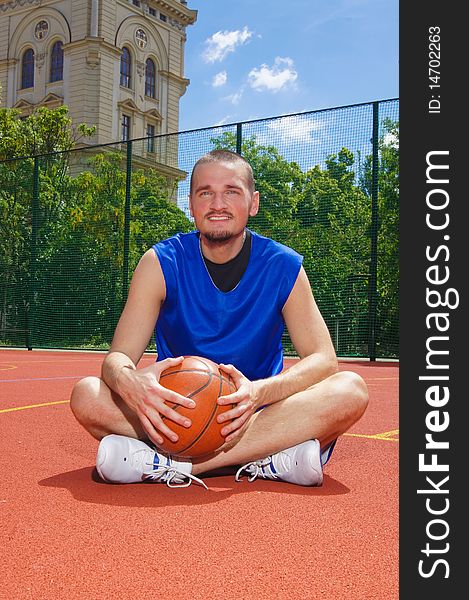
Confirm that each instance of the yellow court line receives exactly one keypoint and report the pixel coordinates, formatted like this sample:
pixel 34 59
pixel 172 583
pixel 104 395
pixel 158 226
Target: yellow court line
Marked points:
pixel 387 435
pixel 390 433
pixel 7 367
pixel 5 410
pixel 21 363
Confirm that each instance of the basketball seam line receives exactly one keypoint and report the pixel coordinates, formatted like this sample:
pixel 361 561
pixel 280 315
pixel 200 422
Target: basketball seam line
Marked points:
pixel 207 424
pixel 174 407
pixel 175 404
pixel 209 420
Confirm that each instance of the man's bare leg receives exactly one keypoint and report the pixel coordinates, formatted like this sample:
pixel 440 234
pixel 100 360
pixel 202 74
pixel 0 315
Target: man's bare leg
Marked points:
pixel 323 412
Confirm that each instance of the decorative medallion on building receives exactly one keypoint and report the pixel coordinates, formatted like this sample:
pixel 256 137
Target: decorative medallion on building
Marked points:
pixel 41 30
pixel 141 38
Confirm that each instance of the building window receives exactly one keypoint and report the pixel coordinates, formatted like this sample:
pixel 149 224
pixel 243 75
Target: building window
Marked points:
pixel 27 69
pixel 57 62
pixel 125 128
pixel 163 17
pixel 150 78
pixel 136 2
pixel 151 138
pixel 152 11
pixel 126 66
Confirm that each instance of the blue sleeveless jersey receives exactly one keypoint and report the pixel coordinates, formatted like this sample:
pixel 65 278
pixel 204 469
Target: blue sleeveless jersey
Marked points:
pixel 243 327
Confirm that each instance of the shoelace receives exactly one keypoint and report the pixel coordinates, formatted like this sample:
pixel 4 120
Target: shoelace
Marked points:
pixel 254 468
pixel 167 473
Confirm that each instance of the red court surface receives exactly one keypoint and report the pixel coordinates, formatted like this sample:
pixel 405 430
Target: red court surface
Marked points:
pixel 66 535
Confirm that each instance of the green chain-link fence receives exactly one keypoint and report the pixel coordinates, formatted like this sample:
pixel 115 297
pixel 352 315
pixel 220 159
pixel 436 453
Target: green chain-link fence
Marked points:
pixel 74 224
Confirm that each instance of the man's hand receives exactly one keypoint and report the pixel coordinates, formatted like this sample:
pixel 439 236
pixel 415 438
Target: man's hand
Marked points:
pixel 142 392
pixel 246 404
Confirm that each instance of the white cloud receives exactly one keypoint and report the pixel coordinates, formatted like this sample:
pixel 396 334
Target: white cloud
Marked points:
pixel 274 78
pixel 219 79
pixel 294 129
pixel 236 97
pixel 223 42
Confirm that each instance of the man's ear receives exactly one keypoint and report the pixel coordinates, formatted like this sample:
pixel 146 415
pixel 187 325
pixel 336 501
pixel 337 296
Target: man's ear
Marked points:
pixel 254 208
pixel 190 205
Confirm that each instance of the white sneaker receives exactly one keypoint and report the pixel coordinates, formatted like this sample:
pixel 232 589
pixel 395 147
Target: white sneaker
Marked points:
pixel 123 459
pixel 300 464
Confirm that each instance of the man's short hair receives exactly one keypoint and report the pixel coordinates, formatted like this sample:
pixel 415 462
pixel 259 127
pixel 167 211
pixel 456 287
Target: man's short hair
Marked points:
pixel 230 157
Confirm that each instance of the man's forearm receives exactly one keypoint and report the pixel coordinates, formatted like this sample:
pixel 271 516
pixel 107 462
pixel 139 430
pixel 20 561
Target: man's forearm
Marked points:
pixel 303 374
pixel 114 364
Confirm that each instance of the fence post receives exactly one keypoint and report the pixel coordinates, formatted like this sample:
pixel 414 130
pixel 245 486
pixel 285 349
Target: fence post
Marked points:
pixel 128 185
pixel 32 267
pixel 239 137
pixel 372 290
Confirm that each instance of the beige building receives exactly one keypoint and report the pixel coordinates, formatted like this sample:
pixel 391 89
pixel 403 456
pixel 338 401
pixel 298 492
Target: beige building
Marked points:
pixel 117 64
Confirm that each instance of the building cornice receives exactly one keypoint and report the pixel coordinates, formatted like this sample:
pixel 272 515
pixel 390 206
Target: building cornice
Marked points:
pixel 93 42
pixel 178 10
pixel 8 62
pixel 175 78
pixel 12 4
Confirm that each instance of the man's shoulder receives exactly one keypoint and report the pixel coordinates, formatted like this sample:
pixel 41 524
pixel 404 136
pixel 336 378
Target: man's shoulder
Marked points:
pixel 180 238
pixel 177 242
pixel 270 246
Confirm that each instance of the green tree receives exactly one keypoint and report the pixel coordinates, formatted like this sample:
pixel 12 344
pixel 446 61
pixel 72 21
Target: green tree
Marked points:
pixel 325 216
pixel 44 131
pixel 388 234
pixel 335 216
pixel 85 263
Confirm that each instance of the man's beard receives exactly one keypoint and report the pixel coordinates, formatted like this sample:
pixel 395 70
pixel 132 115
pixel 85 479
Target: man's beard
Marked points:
pixel 218 237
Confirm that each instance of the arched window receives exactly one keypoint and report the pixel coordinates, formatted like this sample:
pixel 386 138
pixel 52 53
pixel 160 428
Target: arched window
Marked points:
pixel 57 62
pixel 150 78
pixel 126 67
pixel 27 69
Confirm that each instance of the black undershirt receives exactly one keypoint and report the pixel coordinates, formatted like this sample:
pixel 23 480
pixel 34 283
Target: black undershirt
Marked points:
pixel 226 276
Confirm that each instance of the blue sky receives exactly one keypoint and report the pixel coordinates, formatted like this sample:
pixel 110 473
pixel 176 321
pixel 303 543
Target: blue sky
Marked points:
pixel 251 59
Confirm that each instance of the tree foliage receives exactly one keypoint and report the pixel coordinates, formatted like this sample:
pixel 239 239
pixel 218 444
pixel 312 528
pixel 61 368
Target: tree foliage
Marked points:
pixel 76 292
pixel 64 276
pixel 325 214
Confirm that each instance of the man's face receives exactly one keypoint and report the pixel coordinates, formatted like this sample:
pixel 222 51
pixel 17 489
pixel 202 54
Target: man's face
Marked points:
pixel 220 200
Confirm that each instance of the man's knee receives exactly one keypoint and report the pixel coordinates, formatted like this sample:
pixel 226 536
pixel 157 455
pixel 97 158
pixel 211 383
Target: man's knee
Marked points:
pixel 353 390
pixel 83 397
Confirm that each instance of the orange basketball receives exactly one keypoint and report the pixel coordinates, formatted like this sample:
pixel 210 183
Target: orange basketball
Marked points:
pixel 201 380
